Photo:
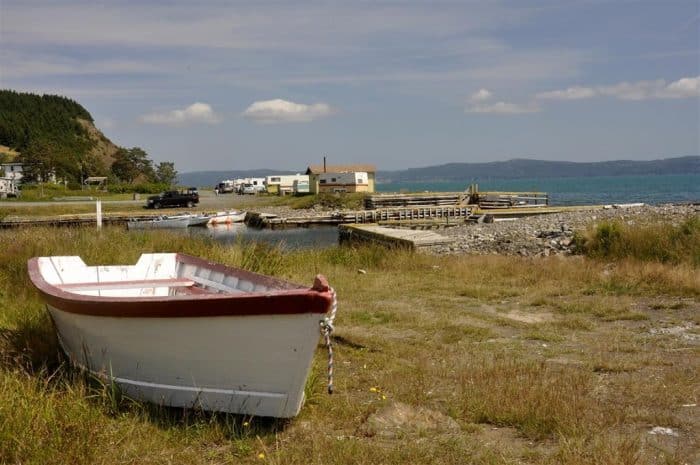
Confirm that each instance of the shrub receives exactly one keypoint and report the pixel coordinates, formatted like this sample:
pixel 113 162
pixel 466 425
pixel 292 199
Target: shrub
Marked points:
pixel 664 243
pixel 141 188
pixel 339 201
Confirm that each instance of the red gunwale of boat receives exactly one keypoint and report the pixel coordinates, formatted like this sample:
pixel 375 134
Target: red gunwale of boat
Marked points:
pixel 286 298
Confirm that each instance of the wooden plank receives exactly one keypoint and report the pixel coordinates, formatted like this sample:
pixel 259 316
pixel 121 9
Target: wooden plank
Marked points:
pixel 135 284
pixel 214 285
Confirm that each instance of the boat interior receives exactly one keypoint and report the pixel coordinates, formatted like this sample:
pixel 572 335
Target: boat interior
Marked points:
pixel 157 274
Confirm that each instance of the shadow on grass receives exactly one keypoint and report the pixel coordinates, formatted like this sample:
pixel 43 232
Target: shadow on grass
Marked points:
pixel 107 396
pixel 31 347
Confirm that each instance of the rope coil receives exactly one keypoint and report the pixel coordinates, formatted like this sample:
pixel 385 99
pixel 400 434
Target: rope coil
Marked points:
pixel 326 331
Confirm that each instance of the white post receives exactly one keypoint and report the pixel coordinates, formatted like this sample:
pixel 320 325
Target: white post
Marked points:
pixel 98 207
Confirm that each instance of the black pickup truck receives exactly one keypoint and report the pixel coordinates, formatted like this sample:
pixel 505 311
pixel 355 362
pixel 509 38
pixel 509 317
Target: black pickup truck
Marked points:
pixel 186 198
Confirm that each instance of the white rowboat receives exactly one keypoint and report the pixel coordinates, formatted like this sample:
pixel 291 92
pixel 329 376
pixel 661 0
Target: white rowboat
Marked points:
pixel 227 217
pixel 161 222
pixel 179 331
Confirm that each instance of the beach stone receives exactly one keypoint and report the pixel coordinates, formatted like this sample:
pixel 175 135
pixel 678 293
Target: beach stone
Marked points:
pixel 400 420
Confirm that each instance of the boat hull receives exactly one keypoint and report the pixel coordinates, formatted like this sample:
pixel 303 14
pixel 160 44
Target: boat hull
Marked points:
pixel 225 218
pixel 167 223
pixel 252 365
pixel 179 331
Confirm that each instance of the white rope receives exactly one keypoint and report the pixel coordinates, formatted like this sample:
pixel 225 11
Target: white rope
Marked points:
pixel 326 331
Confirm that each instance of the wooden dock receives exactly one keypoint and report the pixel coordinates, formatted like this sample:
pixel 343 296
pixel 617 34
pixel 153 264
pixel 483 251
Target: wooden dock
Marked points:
pixel 260 220
pixel 401 238
pixel 472 196
pixel 80 219
pixel 378 201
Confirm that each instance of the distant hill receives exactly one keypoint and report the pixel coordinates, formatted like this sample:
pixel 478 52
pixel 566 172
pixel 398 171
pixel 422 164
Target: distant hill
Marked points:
pixel 511 169
pixel 524 168
pixel 55 131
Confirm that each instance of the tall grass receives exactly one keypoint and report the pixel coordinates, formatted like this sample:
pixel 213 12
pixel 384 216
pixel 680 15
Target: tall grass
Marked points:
pixel 665 243
pixel 539 399
pixel 426 331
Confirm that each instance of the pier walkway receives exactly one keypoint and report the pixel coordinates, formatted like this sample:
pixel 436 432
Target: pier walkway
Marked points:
pixel 405 238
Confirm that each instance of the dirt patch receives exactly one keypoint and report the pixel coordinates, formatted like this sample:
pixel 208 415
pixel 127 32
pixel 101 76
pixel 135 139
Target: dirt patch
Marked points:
pixel 503 438
pixel 530 318
pixel 400 420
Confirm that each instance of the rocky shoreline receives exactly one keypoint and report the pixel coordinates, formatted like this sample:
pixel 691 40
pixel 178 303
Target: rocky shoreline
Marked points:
pixel 551 234
pixel 539 235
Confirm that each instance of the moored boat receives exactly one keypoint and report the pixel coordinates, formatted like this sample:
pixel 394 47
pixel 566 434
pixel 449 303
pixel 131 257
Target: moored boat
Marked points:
pixel 226 217
pixel 180 331
pixel 159 222
pixel 169 221
pixel 199 220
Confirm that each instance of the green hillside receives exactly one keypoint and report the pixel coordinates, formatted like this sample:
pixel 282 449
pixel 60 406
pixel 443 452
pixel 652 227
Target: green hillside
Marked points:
pixel 51 134
pixel 54 135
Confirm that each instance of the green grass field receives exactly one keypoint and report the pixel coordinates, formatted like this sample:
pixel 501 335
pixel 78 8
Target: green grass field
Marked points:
pixel 444 360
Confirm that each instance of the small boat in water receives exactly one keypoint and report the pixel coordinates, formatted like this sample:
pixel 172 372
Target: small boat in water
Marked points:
pixel 226 217
pixel 159 222
pixel 172 221
pixel 180 331
pixel 199 220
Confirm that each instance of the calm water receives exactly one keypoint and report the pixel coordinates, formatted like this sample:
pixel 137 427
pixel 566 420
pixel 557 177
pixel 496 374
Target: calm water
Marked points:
pixel 578 191
pixel 293 238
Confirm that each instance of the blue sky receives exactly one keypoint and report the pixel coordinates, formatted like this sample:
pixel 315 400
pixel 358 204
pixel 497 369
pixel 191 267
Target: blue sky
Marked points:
pixel 241 85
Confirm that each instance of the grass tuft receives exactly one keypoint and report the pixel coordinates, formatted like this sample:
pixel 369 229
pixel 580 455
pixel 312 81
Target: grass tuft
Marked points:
pixel 658 242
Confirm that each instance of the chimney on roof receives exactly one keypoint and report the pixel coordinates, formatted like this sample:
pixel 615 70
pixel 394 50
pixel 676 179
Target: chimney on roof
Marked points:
pixel 324 164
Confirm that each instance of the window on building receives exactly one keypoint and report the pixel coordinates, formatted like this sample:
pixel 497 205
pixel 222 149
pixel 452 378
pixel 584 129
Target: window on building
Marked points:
pixel 332 179
pixel 322 181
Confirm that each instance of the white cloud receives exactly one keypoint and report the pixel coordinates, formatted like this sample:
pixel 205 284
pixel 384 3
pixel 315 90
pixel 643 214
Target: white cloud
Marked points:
pixel 683 88
pixel 640 90
pixel 572 93
pixel 502 108
pixel 478 104
pixel 480 95
pixel 195 113
pixel 687 87
pixel 283 111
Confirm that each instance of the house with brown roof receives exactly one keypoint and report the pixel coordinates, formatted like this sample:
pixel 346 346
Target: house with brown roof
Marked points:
pixel 341 178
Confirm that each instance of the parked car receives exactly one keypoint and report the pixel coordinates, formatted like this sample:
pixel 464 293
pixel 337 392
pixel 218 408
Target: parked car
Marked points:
pixel 185 198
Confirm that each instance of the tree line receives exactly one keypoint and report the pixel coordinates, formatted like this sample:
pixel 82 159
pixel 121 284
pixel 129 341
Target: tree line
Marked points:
pixel 48 133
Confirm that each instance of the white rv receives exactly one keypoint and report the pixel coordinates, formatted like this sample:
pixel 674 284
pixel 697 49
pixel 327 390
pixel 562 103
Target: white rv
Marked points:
pixel 284 183
pixel 356 181
pixel 301 186
pixel 257 183
pixel 225 187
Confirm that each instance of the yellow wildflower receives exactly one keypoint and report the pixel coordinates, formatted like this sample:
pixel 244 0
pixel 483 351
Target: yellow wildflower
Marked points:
pixel 261 456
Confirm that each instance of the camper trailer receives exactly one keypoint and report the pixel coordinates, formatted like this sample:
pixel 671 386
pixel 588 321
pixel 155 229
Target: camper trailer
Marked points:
pixel 226 186
pixel 343 182
pixel 301 186
pixel 284 183
pixel 258 185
